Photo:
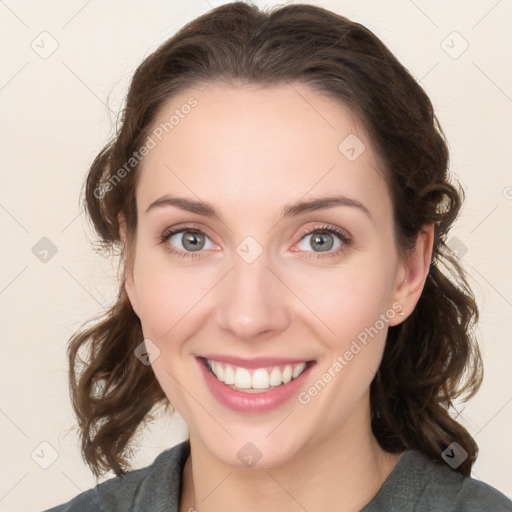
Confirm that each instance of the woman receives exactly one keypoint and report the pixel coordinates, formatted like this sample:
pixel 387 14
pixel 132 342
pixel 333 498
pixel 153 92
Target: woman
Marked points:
pixel 279 190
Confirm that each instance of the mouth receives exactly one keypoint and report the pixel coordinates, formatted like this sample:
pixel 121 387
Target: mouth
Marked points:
pixel 254 386
pixel 255 380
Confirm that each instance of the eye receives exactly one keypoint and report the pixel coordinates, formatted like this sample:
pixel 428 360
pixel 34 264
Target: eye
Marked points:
pixel 189 241
pixel 324 239
pixel 185 240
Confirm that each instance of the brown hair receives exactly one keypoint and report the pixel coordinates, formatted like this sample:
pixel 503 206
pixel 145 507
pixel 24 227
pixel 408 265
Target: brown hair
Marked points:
pixel 429 360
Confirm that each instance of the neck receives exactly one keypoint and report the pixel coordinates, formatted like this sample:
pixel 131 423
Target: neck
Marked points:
pixel 343 472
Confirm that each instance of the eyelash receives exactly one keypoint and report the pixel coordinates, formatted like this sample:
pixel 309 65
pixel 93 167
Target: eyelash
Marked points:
pixel 341 234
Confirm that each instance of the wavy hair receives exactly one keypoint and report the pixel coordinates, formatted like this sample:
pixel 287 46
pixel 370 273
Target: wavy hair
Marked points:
pixel 429 360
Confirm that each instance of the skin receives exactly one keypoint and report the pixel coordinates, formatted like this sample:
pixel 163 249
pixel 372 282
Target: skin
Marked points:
pixel 241 150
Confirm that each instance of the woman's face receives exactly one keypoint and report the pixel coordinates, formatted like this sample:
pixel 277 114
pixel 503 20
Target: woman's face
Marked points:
pixel 264 278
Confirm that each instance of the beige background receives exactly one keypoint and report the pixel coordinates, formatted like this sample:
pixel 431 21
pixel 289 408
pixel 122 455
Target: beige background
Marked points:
pixel 57 110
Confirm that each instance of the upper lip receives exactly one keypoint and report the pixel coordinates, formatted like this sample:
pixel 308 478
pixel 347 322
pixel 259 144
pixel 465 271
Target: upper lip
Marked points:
pixel 257 362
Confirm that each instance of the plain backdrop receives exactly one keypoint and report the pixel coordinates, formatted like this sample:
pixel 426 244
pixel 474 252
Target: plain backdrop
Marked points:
pixel 65 69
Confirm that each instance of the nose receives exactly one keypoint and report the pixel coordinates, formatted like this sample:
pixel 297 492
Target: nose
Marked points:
pixel 253 302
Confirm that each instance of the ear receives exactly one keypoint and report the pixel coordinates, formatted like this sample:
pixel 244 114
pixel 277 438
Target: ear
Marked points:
pixel 127 255
pixel 412 275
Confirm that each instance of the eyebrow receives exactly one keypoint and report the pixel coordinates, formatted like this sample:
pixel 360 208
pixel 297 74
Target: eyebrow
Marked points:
pixel 290 210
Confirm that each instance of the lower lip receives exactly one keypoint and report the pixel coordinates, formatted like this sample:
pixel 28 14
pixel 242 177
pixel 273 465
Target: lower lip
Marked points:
pixel 252 402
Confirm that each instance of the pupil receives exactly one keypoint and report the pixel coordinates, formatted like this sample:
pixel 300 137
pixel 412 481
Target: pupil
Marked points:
pixel 193 241
pixel 319 240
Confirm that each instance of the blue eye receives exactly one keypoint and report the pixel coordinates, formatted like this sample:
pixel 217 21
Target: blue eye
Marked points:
pixel 325 239
pixel 321 241
pixel 188 241
pixel 191 240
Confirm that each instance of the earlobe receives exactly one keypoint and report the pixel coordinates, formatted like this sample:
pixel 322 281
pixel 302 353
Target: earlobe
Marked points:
pixel 413 275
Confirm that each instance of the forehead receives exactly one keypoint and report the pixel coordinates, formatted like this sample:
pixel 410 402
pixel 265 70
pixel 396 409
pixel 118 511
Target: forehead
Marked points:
pixel 249 146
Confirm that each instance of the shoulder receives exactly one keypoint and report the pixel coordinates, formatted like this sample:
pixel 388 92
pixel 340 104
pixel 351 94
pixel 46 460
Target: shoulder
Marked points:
pixel 141 489
pixel 477 495
pixel 422 485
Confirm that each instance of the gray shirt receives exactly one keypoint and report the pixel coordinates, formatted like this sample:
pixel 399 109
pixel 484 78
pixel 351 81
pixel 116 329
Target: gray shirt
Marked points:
pixel 416 484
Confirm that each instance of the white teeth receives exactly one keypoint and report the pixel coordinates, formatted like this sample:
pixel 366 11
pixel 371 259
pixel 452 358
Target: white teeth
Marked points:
pixel 287 374
pixel 229 375
pixel 242 378
pixel 259 379
pixel 218 370
pixel 298 370
pixel 275 377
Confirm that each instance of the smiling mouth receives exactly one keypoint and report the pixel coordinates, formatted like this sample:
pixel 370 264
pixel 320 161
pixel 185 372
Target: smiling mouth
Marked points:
pixel 255 380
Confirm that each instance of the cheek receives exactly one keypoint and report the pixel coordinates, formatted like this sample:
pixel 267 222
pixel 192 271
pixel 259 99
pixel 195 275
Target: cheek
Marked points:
pixel 357 313
pixel 169 298
pixel 348 301
pixel 169 303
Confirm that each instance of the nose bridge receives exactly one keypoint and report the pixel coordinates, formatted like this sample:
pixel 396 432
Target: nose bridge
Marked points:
pixel 253 300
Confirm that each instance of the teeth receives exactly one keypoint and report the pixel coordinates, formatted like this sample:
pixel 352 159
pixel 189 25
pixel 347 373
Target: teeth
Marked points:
pixel 275 377
pixel 261 378
pixel 298 370
pixel 229 375
pixel 242 379
pixel 218 370
pixel 287 374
